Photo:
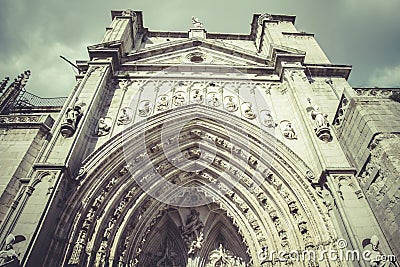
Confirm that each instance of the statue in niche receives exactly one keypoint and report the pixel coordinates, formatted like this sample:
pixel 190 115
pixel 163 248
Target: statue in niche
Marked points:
pixel 230 104
pixel 125 116
pixel 319 117
pixel 71 120
pixel 163 103
pixel 179 99
pixel 376 257
pixel 213 99
pixel 8 256
pixel 192 231
pixel 197 96
pixel 144 108
pixel 248 112
pixel 104 126
pixel 288 130
pixel 321 123
pixel 197 23
pixel 267 119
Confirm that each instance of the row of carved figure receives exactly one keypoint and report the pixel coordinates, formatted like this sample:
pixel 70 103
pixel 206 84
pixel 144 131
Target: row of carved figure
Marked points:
pixel 125 117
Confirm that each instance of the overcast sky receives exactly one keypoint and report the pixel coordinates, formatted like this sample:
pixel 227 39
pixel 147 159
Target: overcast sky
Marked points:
pixel 34 33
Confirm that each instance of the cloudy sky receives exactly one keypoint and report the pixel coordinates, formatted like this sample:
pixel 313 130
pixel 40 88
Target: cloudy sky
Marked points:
pixel 34 33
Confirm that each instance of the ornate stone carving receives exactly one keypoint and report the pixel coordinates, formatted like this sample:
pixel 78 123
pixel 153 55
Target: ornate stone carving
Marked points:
pixel 104 126
pixel 125 116
pixel 376 257
pixel 230 103
pixel 197 96
pixel 128 13
pixel 223 257
pixel 192 232
pixel 71 120
pixel 375 92
pixel 267 119
pixel 179 98
pixel 213 99
pixel 77 250
pixel 163 103
pixel 144 108
pixel 263 17
pixel 287 130
pixel 247 110
pixel 197 23
pixel 321 123
pixel 8 256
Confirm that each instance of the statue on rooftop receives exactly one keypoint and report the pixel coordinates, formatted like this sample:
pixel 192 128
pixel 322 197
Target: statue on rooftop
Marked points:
pixel 197 23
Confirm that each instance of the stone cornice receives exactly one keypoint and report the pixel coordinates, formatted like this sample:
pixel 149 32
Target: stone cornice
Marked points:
pixel 24 121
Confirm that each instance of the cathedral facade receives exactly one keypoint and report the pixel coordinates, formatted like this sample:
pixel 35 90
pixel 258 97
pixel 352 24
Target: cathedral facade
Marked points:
pixel 201 149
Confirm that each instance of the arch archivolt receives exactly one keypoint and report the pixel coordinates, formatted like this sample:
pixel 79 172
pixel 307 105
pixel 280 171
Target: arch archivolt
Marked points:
pixel 268 200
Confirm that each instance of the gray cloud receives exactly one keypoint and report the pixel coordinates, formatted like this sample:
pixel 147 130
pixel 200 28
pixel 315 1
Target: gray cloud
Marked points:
pixel 33 34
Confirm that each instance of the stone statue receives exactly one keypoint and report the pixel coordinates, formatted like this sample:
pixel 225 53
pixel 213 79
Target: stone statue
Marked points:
pixel 71 120
pixel 192 231
pixel 196 23
pixel 268 120
pixel 197 96
pixel 230 104
pixel 376 257
pixel 179 98
pixel 144 108
pixel 319 117
pixel 104 126
pixel 321 124
pixel 213 100
pixel 224 257
pixel 288 131
pixel 8 256
pixel 163 103
pixel 248 111
pixel 125 117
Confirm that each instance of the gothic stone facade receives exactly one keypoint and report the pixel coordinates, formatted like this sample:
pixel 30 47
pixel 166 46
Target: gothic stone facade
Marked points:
pixel 200 149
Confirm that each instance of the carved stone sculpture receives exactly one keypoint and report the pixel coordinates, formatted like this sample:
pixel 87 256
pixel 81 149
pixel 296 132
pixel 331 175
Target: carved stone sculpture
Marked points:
pixel 247 110
pixel 128 13
pixel 230 104
pixel 288 130
pixel 71 120
pixel 179 99
pixel 376 257
pixel 213 99
pixel 197 23
pixel 163 103
pixel 125 116
pixel 267 119
pixel 197 96
pixel 8 256
pixel 104 126
pixel 192 232
pixel 223 257
pixel 144 108
pixel 321 124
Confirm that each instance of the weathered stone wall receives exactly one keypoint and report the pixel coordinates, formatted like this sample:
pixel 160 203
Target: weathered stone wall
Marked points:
pixel 21 139
pixel 368 128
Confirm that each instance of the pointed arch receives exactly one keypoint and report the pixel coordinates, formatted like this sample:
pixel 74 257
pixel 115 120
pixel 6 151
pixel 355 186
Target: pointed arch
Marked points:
pixel 268 199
